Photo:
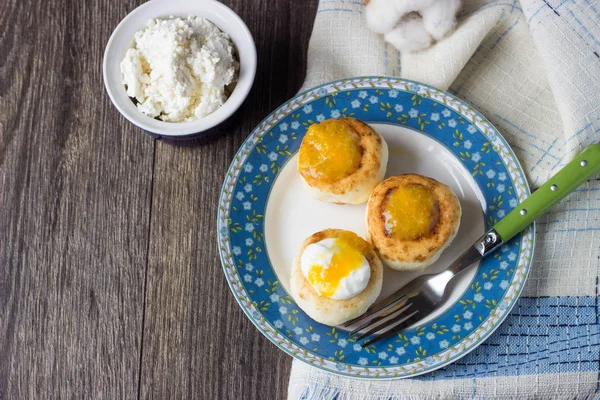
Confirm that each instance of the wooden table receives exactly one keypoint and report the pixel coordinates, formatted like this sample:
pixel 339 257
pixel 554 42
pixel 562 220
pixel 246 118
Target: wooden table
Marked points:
pixel 110 282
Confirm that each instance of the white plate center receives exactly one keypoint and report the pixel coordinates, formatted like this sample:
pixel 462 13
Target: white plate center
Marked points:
pixel 292 215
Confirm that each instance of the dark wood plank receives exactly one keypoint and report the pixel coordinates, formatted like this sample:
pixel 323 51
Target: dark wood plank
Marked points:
pixel 75 185
pixel 197 341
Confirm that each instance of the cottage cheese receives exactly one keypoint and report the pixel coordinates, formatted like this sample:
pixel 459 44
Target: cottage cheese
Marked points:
pixel 179 69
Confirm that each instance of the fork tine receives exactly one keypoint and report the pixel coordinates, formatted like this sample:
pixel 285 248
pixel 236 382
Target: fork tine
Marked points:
pixel 401 325
pixel 407 291
pixel 375 308
pixel 397 309
pixel 390 320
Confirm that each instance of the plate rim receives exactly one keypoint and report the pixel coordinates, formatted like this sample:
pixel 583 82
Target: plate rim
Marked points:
pixel 429 368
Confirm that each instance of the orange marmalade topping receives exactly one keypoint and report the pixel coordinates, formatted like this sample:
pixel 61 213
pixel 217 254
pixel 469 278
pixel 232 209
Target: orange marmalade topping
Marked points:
pixel 411 212
pixel 348 253
pixel 330 151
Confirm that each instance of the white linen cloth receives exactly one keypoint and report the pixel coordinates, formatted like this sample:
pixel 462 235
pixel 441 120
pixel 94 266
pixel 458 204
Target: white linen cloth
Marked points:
pixel 532 67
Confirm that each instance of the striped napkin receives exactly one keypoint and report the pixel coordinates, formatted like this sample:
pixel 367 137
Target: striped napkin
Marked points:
pixel 532 67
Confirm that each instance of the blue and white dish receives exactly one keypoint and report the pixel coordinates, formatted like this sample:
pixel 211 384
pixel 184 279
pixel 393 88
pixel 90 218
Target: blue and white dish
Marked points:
pixel 264 215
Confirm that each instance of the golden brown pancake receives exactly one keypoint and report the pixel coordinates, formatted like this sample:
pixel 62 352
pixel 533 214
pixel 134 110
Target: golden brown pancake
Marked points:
pixel 342 160
pixel 324 309
pixel 411 219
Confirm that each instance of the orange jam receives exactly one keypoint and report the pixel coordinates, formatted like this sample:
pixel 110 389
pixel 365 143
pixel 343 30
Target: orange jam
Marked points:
pixel 411 212
pixel 330 151
pixel 348 250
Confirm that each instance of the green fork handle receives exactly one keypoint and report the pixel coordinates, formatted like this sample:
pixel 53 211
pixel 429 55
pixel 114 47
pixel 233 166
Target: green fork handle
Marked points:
pixel 578 171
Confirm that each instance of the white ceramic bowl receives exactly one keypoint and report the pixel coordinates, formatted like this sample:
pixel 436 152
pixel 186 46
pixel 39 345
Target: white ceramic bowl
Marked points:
pixel 122 39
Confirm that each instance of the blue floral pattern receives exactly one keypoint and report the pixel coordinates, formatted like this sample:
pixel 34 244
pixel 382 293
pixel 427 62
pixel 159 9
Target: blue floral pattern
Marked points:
pixel 481 150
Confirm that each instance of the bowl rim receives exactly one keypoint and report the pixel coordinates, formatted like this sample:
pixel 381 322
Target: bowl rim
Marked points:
pixel 219 14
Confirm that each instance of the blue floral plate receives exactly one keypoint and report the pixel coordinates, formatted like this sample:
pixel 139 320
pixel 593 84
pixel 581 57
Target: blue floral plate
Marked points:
pixel 264 215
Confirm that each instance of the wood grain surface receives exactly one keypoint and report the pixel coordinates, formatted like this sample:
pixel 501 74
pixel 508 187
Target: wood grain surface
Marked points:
pixel 110 282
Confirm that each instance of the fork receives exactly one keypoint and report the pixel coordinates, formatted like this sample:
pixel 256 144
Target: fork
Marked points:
pixel 424 294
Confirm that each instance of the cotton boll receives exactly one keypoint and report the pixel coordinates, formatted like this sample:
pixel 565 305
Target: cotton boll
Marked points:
pixel 411 25
pixel 440 17
pixel 381 16
pixel 409 35
pixel 407 6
